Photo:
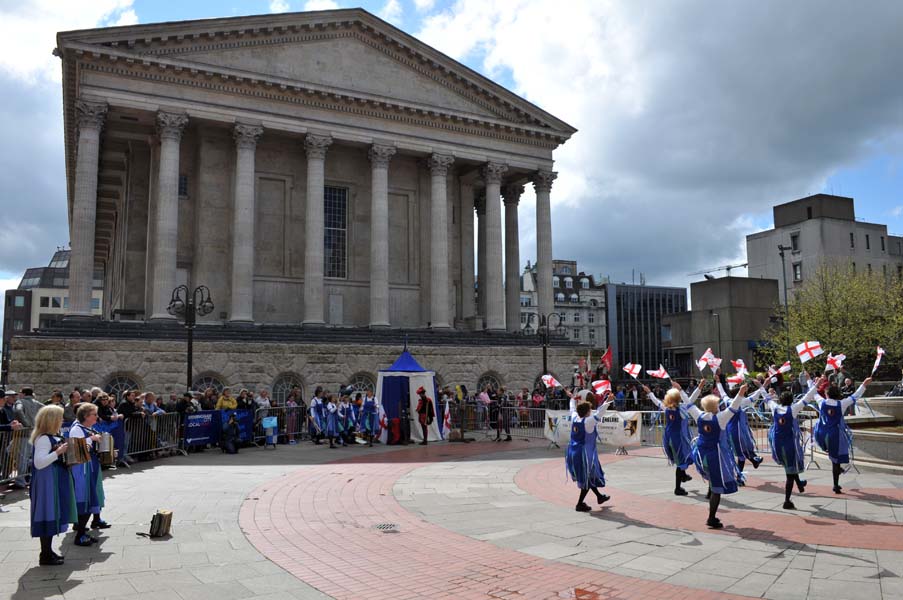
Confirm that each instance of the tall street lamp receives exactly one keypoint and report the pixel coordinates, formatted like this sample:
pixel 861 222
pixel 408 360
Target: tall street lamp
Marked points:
pixel 544 333
pixel 781 249
pixel 718 317
pixel 188 305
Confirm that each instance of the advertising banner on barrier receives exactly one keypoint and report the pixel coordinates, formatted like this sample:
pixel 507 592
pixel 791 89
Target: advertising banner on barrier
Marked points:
pixel 202 428
pixel 245 420
pixel 616 429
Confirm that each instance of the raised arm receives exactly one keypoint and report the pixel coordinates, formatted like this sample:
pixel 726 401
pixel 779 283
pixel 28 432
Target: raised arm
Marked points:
pixel 602 408
pixel 736 404
pixel 652 398
pixel 694 411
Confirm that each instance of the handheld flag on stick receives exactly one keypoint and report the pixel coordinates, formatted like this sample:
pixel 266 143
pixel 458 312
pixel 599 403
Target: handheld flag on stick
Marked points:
pixel 601 386
pixel 661 373
pixel 808 350
pixel 606 359
pixel 878 359
pixel 735 379
pixel 835 362
pixel 785 368
pixel 550 381
pixel 383 425
pixel 632 369
pixel 704 359
pixel 740 366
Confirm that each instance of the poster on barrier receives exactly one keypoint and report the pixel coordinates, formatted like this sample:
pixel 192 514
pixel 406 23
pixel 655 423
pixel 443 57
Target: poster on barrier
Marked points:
pixel 616 429
pixel 245 420
pixel 202 428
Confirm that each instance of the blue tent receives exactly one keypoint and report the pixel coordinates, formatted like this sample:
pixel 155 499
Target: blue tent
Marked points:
pixel 396 388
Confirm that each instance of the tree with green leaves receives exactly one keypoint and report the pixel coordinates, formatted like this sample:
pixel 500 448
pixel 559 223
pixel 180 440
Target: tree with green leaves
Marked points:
pixel 850 312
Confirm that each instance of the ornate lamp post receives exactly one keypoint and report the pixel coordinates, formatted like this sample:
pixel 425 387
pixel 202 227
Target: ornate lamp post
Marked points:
pixel 188 305
pixel 544 333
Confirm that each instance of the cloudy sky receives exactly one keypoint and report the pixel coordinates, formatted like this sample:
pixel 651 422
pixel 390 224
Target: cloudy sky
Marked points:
pixel 695 117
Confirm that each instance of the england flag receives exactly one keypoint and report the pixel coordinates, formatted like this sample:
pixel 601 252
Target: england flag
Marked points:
pixel 808 350
pixel 661 373
pixel 601 386
pixel 550 381
pixel 632 369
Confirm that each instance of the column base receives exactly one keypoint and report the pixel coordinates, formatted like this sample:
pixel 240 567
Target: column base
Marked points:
pixel 440 327
pixel 81 317
pixel 162 317
pixel 313 324
pixel 379 326
pixel 241 323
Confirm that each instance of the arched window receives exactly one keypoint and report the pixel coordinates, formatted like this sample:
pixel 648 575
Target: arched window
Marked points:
pixel 208 380
pixel 120 383
pixel 575 298
pixel 584 283
pixel 568 283
pixel 593 303
pixel 555 281
pixel 362 382
pixel 559 297
pixel 283 385
pixel 490 379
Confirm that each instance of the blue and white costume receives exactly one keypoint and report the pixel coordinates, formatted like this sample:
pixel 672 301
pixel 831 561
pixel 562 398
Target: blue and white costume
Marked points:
pixel 87 477
pixel 370 416
pixel 581 458
pixel 52 493
pixel 711 450
pixel 739 433
pixel 317 422
pixel 676 439
pixel 832 434
pixel 786 439
pixel 333 425
pixel 347 412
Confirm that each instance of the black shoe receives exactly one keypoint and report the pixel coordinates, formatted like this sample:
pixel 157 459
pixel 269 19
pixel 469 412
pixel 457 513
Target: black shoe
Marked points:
pixel 741 482
pixel 714 523
pixel 51 561
pixel 100 524
pixel 498 439
pixel 583 507
pixel 789 505
pixel 756 462
pixel 801 485
pixel 84 540
pixel 424 443
pixel 680 491
pixel 685 478
pixel 602 498
pixel 508 438
pixel 838 489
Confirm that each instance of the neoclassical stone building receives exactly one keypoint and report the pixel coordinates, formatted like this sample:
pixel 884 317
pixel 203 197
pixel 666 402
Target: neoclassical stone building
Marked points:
pixel 312 169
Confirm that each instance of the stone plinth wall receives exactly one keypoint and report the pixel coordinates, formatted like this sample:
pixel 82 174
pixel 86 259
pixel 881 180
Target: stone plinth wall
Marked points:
pixel 159 366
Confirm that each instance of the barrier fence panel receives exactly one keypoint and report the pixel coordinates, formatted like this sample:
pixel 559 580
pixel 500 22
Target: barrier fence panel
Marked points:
pixel 146 434
pixel 291 422
pixel 14 453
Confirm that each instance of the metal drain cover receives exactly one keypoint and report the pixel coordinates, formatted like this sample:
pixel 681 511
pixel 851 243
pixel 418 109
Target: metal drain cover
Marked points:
pixel 386 527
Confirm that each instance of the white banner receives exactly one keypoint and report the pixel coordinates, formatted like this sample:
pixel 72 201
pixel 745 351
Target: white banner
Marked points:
pixel 616 429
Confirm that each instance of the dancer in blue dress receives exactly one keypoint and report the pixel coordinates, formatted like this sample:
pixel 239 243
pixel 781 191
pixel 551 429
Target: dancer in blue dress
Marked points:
pixel 739 435
pixel 316 418
pixel 832 434
pixel 333 424
pixel 711 451
pixel 52 494
pixel 676 439
pixel 787 440
pixel 370 417
pixel 581 458
pixel 87 477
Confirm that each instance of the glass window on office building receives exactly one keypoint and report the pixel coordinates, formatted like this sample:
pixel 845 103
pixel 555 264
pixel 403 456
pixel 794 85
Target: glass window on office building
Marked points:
pixel 795 242
pixel 95 303
pixel 57 302
pixel 797 271
pixel 18 325
pixel 45 301
pixel 335 230
pixel 19 302
pixel 576 334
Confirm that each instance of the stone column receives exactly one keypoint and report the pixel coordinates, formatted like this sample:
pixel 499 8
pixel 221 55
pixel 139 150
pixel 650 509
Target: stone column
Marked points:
pixel 379 234
pixel 467 276
pixel 315 146
pixel 495 303
pixel 246 137
pixel 542 183
pixel 90 116
pixel 512 194
pixel 439 304
pixel 480 208
pixel 169 130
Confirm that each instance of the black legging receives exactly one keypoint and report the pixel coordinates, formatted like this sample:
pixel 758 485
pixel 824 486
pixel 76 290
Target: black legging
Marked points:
pixel 836 470
pixel 678 477
pixel 82 525
pixel 714 501
pixel 46 548
pixel 585 491
pixel 788 486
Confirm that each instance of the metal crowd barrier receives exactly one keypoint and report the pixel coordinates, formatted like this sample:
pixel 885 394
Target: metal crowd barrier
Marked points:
pixel 291 422
pixel 153 433
pixel 14 453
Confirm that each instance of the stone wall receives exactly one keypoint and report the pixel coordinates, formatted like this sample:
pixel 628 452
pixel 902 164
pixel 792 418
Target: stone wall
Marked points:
pixel 159 366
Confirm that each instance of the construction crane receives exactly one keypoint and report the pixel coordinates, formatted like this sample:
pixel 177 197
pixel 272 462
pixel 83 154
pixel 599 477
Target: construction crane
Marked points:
pixel 726 268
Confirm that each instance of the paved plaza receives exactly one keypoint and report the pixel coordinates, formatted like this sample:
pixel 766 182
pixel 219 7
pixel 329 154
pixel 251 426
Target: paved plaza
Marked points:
pixel 479 520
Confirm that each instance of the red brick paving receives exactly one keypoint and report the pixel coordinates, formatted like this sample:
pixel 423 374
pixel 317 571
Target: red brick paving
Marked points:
pixel 317 524
pixel 545 481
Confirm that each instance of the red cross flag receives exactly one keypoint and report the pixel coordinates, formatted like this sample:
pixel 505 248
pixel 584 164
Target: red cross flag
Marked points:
pixel 740 366
pixel 878 359
pixel 834 362
pixel 661 373
pixel 714 363
pixel 735 379
pixel 606 359
pixel 632 369
pixel 446 422
pixel 550 381
pixel 772 371
pixel 785 368
pixel 600 386
pixel 704 359
pixel 808 351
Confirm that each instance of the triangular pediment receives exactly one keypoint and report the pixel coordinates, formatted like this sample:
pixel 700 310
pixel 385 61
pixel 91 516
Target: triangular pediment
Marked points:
pixel 343 63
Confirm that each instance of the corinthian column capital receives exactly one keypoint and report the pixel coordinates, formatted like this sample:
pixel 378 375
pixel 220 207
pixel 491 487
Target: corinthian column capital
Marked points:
pixel 246 136
pixel 381 155
pixel 511 193
pixel 492 172
pixel 438 164
pixel 91 115
pixel 317 145
pixel 170 125
pixel 542 180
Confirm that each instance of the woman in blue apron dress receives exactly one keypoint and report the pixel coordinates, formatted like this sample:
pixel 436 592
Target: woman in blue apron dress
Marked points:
pixel 832 434
pixel 581 458
pixel 333 425
pixel 316 420
pixel 740 437
pixel 676 438
pixel 711 452
pixel 87 478
pixel 370 416
pixel 787 440
pixel 52 494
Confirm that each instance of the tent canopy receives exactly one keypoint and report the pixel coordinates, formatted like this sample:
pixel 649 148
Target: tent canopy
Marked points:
pixel 406 363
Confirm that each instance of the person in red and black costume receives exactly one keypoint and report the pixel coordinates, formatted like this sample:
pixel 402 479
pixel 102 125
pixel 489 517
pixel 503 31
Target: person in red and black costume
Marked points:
pixel 425 413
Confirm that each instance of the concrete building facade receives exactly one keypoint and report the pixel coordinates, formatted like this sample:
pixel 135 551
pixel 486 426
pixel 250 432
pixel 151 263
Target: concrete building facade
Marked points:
pixel 820 228
pixel 635 314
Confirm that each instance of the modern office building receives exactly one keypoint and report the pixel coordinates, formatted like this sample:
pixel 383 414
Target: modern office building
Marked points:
pixel 635 314
pixel 815 229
